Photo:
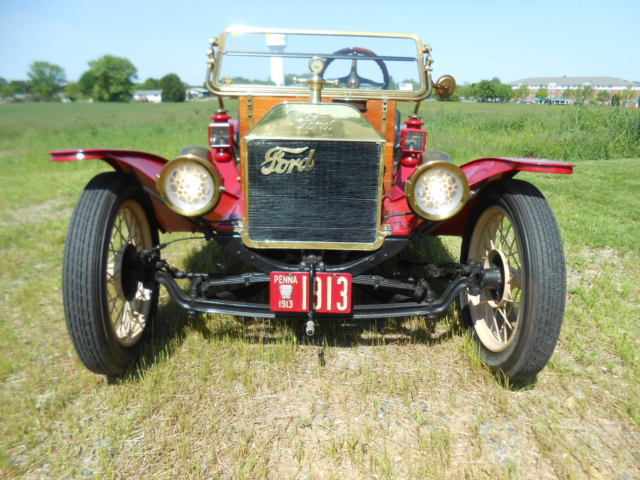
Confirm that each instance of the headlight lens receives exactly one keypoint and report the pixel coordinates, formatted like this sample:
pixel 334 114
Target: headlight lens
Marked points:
pixel 189 185
pixel 437 190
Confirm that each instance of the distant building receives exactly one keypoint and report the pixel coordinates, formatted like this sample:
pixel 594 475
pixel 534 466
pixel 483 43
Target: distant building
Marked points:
pixel 150 96
pixel 196 92
pixel 557 86
pixel 18 97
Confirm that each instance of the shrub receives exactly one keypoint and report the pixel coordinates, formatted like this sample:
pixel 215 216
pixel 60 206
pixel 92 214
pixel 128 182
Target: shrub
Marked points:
pixel 172 88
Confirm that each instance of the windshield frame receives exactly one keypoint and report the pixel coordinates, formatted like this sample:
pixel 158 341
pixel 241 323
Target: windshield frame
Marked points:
pixel 214 84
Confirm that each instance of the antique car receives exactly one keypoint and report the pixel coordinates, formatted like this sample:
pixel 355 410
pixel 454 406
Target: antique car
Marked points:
pixel 315 185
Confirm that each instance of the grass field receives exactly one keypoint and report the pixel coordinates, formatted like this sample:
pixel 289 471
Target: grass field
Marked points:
pixel 215 397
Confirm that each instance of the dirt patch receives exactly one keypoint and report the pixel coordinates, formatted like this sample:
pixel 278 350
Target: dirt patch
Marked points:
pixel 590 263
pixel 36 213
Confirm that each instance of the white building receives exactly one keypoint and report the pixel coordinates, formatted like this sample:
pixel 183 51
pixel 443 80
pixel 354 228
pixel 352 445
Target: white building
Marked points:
pixel 197 92
pixel 150 96
pixel 557 86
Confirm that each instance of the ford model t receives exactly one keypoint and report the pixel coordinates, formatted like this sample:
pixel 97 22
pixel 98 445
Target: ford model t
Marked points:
pixel 316 183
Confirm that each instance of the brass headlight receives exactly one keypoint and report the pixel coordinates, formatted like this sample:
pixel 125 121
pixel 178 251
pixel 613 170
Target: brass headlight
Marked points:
pixel 437 190
pixel 189 185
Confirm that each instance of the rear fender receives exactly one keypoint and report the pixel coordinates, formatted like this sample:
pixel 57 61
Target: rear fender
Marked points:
pixel 484 171
pixel 145 167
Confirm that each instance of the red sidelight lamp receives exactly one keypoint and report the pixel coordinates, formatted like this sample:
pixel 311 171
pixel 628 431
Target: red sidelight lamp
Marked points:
pixel 221 137
pixel 413 141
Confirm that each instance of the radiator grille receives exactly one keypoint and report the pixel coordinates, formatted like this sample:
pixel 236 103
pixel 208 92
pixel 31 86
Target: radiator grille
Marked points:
pixel 336 201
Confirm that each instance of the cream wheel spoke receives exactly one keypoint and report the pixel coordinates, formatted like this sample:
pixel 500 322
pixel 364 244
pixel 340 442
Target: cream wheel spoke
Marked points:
pixel 495 329
pixel 504 317
pixel 131 227
pixel 128 303
pixel 118 230
pixel 117 318
pixel 495 313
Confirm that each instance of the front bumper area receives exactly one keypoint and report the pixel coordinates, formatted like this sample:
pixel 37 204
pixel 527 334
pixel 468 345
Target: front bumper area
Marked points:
pixel 409 297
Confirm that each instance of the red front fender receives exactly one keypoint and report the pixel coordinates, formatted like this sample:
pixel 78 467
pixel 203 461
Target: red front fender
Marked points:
pixel 495 168
pixel 483 171
pixel 479 173
pixel 145 166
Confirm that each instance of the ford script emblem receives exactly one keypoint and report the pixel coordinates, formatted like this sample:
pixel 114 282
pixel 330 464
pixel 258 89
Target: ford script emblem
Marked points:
pixel 283 160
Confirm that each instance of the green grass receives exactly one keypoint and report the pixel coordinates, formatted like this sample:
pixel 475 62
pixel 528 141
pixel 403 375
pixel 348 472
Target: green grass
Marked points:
pixel 549 131
pixel 218 397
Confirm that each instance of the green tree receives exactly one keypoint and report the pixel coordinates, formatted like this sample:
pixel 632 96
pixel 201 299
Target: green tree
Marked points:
pixel 3 85
pixel 504 92
pixel 603 96
pixel 585 94
pixel 490 90
pixel 616 99
pixel 522 92
pixel 16 86
pixel 542 93
pixel 570 93
pixel 485 90
pixel 46 80
pixel 172 88
pixel 72 91
pixel 150 84
pixel 111 79
pixel 86 83
pixel 627 94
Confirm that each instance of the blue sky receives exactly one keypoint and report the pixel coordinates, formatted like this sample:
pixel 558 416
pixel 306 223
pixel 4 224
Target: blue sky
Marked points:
pixel 471 40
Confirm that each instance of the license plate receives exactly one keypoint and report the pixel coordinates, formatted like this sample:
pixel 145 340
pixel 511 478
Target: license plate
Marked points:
pixel 291 292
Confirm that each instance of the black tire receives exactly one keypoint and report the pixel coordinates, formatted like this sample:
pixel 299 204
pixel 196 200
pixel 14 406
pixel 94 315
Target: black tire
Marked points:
pixel 106 305
pixel 516 325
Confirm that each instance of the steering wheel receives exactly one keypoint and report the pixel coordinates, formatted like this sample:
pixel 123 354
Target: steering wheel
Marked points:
pixel 353 80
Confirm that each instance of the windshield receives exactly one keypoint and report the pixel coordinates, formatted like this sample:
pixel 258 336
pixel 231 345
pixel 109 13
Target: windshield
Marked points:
pixel 357 65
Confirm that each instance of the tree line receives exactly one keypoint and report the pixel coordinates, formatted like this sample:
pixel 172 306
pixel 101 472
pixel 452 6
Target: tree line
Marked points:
pixel 495 91
pixel 108 79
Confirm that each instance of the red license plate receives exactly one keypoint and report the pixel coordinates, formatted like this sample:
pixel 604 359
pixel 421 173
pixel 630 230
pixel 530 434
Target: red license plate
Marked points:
pixel 291 292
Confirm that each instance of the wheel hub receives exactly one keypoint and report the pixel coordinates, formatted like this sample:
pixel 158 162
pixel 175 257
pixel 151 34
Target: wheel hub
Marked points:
pixel 498 293
pixel 126 272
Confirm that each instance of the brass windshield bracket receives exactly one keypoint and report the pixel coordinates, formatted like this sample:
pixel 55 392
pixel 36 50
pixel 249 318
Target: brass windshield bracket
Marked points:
pixel 211 63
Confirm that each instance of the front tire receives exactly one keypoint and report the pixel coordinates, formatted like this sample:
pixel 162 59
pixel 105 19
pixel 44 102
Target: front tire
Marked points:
pixel 106 304
pixel 516 325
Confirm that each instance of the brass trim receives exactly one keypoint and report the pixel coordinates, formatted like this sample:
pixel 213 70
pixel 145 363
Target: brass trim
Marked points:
pixel 217 184
pixel 217 88
pixel 302 120
pixel 410 186
pixel 385 114
pixel 325 139
pixel 314 245
pixel 250 110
